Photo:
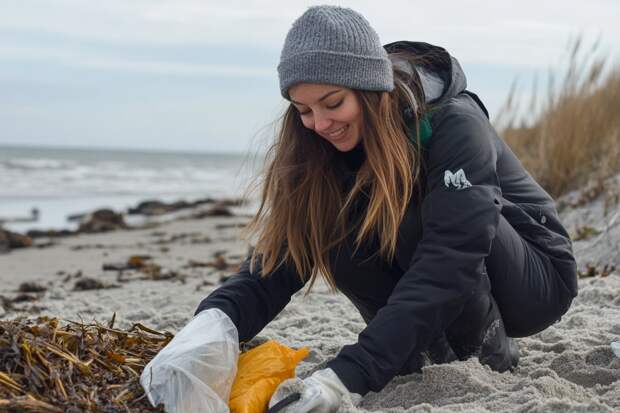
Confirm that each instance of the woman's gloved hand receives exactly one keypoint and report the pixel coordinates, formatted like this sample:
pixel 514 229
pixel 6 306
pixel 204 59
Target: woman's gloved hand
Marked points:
pixel 196 370
pixel 322 392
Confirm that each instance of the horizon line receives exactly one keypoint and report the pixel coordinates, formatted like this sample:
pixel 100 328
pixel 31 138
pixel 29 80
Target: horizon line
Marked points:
pixel 120 149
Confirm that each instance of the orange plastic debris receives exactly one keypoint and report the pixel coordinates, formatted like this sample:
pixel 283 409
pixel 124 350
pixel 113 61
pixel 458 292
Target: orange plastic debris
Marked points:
pixel 259 372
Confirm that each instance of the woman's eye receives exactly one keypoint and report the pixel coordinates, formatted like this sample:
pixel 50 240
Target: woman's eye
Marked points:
pixel 335 106
pixel 328 107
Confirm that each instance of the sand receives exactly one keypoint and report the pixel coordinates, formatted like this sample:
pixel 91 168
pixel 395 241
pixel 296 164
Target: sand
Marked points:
pixel 569 367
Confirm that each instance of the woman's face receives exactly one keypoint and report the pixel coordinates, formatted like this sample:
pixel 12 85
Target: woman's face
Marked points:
pixel 333 112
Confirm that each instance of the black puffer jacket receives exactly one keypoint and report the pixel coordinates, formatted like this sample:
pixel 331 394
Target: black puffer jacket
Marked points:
pixel 471 178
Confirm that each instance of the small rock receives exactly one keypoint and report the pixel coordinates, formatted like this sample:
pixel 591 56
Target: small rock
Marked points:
pixel 149 208
pixel 10 240
pixel 217 210
pixel 31 287
pixel 87 283
pixel 155 207
pixel 24 297
pixel 102 220
pixel 115 266
pixel 52 233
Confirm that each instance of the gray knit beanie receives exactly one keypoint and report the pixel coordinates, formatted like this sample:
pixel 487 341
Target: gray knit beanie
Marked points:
pixel 334 45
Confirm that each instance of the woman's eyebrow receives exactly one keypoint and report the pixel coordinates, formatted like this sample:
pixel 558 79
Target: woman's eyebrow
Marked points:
pixel 325 96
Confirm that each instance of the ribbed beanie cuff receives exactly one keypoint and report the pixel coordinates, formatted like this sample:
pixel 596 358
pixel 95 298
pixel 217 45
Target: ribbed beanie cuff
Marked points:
pixel 334 45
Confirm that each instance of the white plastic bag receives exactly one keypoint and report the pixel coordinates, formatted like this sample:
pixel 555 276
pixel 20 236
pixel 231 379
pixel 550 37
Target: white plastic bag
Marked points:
pixel 615 346
pixel 195 371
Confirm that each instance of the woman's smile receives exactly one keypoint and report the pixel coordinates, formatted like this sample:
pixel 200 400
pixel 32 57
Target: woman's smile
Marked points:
pixel 338 134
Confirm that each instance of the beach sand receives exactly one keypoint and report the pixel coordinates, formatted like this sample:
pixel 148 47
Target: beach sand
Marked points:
pixel 569 367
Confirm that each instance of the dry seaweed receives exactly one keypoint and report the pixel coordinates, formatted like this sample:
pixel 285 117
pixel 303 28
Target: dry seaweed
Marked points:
pixel 219 263
pixel 585 232
pixel 177 237
pixel 134 262
pixel 46 367
pixel 593 271
pixel 88 283
pixel 142 265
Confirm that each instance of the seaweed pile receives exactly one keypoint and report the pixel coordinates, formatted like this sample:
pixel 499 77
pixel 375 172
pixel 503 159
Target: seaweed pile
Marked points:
pixel 46 367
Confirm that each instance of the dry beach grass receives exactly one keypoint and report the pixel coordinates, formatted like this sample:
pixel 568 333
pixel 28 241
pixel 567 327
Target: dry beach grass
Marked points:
pixel 575 137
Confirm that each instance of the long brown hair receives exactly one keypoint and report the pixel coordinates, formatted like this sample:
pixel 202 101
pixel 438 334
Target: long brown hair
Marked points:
pixel 304 207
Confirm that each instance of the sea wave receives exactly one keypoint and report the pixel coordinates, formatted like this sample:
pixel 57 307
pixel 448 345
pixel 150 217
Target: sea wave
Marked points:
pixel 29 164
pixel 62 182
pixel 69 178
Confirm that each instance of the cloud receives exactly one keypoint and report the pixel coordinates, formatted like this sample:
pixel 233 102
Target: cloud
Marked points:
pixel 122 64
pixel 527 31
pixel 156 68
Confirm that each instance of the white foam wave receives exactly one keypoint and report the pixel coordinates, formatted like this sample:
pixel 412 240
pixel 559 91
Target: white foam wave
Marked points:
pixel 35 178
pixel 36 164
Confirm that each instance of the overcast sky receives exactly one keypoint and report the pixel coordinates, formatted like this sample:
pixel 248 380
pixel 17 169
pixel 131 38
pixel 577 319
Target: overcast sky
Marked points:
pixel 201 75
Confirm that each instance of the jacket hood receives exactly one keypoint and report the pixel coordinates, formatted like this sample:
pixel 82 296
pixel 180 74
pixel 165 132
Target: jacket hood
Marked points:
pixel 441 74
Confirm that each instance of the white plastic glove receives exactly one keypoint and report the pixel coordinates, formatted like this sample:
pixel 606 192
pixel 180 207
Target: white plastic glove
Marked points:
pixel 196 370
pixel 322 392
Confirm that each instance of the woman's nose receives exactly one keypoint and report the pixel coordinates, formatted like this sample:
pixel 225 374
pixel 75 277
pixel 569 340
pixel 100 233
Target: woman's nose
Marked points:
pixel 322 123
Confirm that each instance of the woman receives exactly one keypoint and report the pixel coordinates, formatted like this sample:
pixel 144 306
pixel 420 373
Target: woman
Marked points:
pixel 413 207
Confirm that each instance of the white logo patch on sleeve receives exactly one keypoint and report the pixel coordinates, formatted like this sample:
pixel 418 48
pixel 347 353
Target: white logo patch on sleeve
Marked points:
pixel 458 179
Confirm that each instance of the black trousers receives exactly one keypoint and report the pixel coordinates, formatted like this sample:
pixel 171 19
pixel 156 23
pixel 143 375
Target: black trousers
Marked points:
pixel 526 286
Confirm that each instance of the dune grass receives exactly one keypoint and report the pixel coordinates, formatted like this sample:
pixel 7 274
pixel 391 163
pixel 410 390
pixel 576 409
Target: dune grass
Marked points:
pixel 574 137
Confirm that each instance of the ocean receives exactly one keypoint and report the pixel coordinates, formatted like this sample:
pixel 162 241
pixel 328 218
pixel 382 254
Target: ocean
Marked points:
pixel 60 182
